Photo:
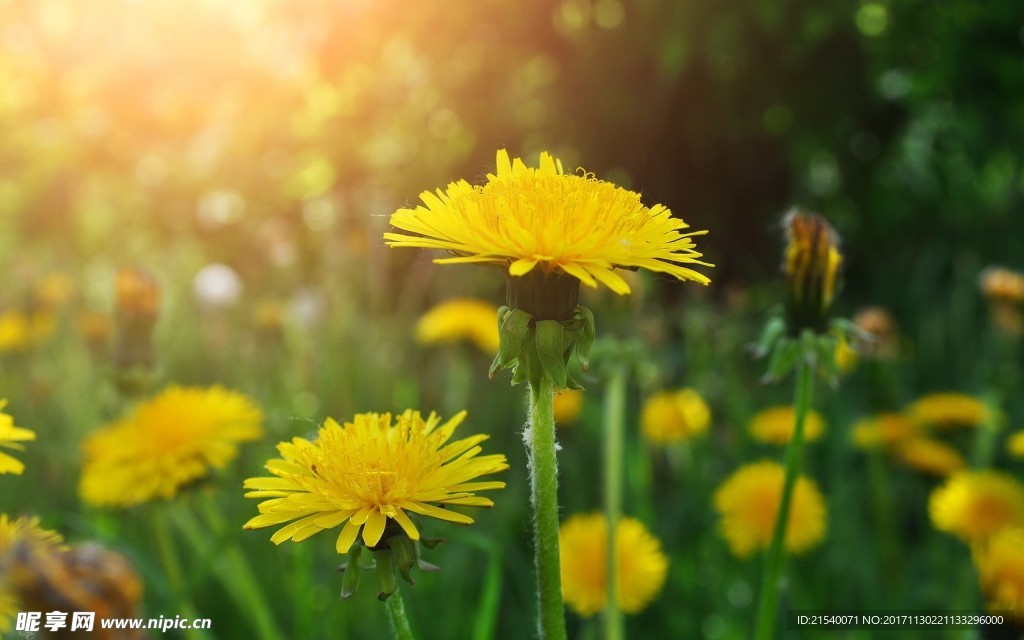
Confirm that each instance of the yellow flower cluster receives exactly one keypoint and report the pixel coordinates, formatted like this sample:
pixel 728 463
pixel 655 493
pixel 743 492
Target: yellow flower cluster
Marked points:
pixel 913 437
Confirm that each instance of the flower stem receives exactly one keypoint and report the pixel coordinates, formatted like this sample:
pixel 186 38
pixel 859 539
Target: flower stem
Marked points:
pixel 614 426
pixel 233 570
pixel 396 614
pixel 544 496
pixel 776 555
pixel 172 568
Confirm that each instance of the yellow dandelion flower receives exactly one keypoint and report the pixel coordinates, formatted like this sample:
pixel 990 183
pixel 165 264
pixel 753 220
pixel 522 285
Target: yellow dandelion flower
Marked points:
pixel 748 502
pixel 1000 565
pixel 640 564
pixel 10 437
pixel 888 430
pixel 673 416
pixel 467 319
pixel 369 473
pixel 931 456
pixel 526 217
pixel 20 531
pixel 166 443
pixel 15 332
pixel 1015 445
pixel 775 425
pixel 948 410
pixel 973 505
pixel 568 405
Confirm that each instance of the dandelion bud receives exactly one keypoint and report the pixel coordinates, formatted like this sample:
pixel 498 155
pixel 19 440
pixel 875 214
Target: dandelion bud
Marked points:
pixel 138 303
pixel 138 298
pixel 1004 290
pixel 811 268
pixel 883 334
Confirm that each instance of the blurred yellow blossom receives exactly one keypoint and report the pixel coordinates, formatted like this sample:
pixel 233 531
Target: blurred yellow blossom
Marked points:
pixel 640 564
pixel 10 438
pixel 774 425
pixel 1000 565
pixel 568 404
pixel 948 410
pixel 888 430
pixel 468 319
pixel 974 505
pixel 166 443
pixel 931 456
pixel 674 416
pixel 748 502
pixel 1015 444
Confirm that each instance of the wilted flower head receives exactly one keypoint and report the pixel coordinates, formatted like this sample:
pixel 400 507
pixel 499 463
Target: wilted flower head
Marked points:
pixel 1004 290
pixel 369 474
pixel 883 334
pixel 749 501
pixel 166 443
pixel 11 437
pixel 1002 285
pixel 640 564
pixel 812 270
pixel 19 534
pixel 974 505
pixel 459 319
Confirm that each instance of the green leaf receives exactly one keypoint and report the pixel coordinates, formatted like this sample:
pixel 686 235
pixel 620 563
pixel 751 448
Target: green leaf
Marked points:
pixel 511 334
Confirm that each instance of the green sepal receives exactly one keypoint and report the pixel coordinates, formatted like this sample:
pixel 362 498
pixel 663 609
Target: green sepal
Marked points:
pixel 773 331
pixel 587 333
pixel 551 352
pixel 404 551
pixel 784 357
pixel 386 581
pixel 513 327
pixel 350 581
pixel 423 565
pixel 431 543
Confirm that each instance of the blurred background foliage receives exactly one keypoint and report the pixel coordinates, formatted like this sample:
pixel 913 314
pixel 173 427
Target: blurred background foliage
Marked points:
pixel 275 137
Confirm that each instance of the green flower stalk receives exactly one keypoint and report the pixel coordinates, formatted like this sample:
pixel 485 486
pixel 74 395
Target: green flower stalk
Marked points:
pixel 805 339
pixel 552 231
